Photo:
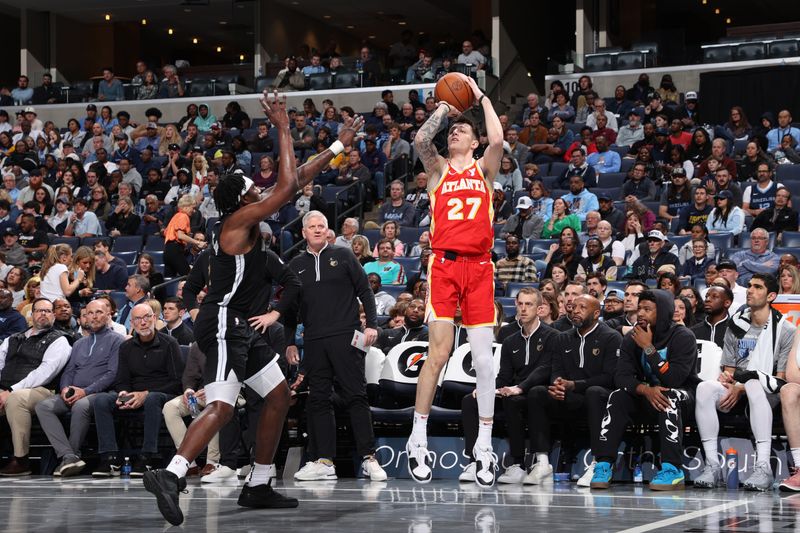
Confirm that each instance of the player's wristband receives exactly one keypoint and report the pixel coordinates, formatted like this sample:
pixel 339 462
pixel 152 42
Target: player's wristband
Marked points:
pixel 337 148
pixel 480 100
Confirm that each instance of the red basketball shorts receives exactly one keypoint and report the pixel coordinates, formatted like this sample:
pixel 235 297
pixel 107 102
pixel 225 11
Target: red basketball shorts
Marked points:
pixel 466 282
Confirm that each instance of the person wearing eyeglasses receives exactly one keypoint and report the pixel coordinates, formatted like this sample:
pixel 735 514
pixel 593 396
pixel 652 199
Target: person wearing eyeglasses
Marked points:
pixel 148 376
pixel 30 362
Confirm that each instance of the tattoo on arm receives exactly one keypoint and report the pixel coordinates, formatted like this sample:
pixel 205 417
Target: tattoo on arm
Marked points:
pixel 423 141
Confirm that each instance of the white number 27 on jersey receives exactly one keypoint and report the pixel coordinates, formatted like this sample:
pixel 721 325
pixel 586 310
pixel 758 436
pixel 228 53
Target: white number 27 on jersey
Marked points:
pixel 456 206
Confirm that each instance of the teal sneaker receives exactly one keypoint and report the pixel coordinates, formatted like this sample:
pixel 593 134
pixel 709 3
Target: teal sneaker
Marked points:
pixel 668 478
pixel 602 475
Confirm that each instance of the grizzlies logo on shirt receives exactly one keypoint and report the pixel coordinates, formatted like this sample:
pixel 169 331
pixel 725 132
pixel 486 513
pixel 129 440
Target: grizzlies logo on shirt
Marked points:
pixel 746 345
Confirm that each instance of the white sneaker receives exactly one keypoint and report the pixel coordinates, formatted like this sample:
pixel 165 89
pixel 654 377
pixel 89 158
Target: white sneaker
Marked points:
pixel 586 478
pixel 243 472
pixel 420 461
pixel 539 474
pixel 219 474
pixel 514 474
pixel 485 465
pixel 372 469
pixel 314 471
pixel 468 475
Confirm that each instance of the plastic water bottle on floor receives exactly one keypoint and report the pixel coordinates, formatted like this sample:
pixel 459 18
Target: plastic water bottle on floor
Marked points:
pixel 732 463
pixel 637 472
pixel 194 410
pixel 125 471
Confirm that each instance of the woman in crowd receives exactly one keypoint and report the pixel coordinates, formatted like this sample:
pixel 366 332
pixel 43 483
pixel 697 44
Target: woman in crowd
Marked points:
pixel 155 305
pixel 560 276
pixel 391 230
pixel 6 144
pixel 725 217
pixel 652 170
pixel 669 93
pixel 199 170
pixel 747 167
pixel 60 218
pixel 83 261
pixel 561 108
pixel 789 279
pixel 330 120
pixel 502 204
pixel 678 159
pixel 542 203
pixel 509 175
pixel 687 251
pixel 266 176
pixel 169 136
pixel 584 106
pixel 148 90
pixel 700 148
pixel 560 219
pixel 99 204
pixel 55 274
pixel 423 242
pixel 147 268
pixel 669 282
pixel 188 118
pixel 244 159
pixel 107 120
pixel 177 236
pixel 695 302
pixel 646 217
pixel 45 207
pixel 547 285
pixel 676 195
pixel 683 314
pixel 361 250
pixel 612 248
pixel 633 233
pixel 31 292
pixel 736 128
pixel 15 282
pixel 548 311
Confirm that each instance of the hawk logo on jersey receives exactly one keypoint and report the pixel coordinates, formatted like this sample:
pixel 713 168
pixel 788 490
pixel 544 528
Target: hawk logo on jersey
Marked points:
pixel 333 262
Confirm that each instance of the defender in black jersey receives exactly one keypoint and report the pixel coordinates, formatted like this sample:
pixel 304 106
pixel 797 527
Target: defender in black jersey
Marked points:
pixel 226 331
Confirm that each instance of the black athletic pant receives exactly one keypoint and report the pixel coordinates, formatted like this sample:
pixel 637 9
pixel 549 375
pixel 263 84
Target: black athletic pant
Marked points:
pixel 323 360
pixel 514 409
pixel 619 412
pixel 175 263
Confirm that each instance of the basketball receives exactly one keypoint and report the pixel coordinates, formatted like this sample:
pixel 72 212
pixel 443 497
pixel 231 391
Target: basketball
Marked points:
pixel 454 90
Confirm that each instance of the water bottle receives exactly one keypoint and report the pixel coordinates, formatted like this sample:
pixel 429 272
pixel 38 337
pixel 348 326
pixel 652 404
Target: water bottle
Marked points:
pixel 732 462
pixel 637 472
pixel 125 471
pixel 193 409
pixel 359 66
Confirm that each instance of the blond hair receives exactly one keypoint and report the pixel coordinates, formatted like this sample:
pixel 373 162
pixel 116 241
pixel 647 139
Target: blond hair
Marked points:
pixel 54 253
pixel 84 252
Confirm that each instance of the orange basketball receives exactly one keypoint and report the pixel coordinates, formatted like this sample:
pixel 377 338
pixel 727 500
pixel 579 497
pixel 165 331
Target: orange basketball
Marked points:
pixel 454 90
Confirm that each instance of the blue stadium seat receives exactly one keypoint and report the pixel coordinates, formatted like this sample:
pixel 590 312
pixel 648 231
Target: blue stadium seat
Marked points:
pixel 394 290
pixel 557 168
pixel 625 165
pixel 512 289
pixel 73 242
pixel 599 62
pixel 629 60
pixel 319 82
pixel 119 298
pixel 408 263
pixel 372 235
pixel 154 243
pixel 542 244
pixel 611 179
pixel 790 238
pixel 621 150
pixel 788 173
pixel 722 242
pixel 157 255
pixel 345 80
pixel 89 241
pixel 780 250
pixel 718 54
pixel 410 234
pixel 128 257
pixel 751 51
pixel 498 229
pixel 679 240
pixel 127 243
pixel 499 247
pixel 132 269
pixel 784 48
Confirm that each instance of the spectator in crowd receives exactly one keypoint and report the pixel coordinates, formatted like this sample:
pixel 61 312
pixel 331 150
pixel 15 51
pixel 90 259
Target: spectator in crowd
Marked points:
pixel 736 128
pixel 349 232
pixel 171 86
pixel 383 300
pixel 760 195
pixel 55 273
pixel 91 369
pixel 137 290
pixel 174 326
pixel 509 175
pixel 789 279
pixel 725 218
pixel 517 376
pixel 31 362
pixel 64 321
pixel 13 251
pixel 579 199
pixel 46 93
pixel 149 88
pixel 758 259
pixel 361 250
pixel 755 351
pixel 176 236
pixel 694 266
pixel 123 220
pixel 148 376
pixel 11 320
pixel 395 146
pixel 647 266
pixel 524 224
pixel 561 218
pixel 646 386
pixel 577 167
pixel 561 108
pixel 717 303
pixel 413 327
pixel 675 197
pixel 390 271
pixel 397 209
pixel 696 213
pixel 290 78
pixel 775 136
pixel 719 152
pixel 596 262
pixel 82 223
pixel 515 267
pixel 604 160
pixel 22 94
pixel 778 218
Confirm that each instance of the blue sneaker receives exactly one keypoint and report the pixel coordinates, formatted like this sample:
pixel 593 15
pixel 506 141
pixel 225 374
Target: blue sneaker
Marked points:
pixel 602 475
pixel 668 478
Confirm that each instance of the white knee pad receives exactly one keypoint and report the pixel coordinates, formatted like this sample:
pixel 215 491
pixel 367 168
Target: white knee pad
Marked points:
pixel 266 379
pixel 224 391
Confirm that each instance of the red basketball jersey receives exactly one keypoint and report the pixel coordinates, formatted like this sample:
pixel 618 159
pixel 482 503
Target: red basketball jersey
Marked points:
pixel 462 212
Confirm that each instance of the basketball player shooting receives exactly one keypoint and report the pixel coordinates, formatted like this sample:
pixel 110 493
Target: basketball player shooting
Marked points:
pixel 460 269
pixel 236 354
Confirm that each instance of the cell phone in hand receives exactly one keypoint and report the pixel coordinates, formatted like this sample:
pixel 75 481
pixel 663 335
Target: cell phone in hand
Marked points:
pixel 125 398
pixel 70 393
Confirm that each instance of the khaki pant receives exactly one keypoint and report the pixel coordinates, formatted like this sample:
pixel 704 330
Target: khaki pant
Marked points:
pixel 174 412
pixel 18 408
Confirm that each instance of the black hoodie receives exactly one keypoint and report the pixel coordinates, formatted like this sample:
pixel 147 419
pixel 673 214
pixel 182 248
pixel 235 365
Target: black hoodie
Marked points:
pixel 674 361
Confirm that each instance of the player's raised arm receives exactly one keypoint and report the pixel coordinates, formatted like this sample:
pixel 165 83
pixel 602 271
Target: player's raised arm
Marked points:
pixel 490 162
pixel 423 142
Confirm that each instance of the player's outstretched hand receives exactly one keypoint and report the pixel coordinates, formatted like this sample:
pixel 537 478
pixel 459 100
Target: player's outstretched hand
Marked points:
pixel 476 91
pixel 275 108
pixel 350 129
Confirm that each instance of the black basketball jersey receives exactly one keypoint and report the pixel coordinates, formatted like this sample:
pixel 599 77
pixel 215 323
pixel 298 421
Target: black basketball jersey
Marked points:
pixel 235 280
